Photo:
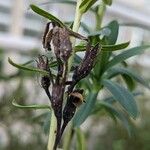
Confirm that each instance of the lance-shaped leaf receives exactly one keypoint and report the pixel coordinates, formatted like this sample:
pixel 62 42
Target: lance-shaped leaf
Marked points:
pixel 123 96
pixel 33 106
pixel 131 84
pixel 114 27
pixel 125 55
pixel 58 1
pixel 45 14
pixel 23 67
pixel 121 46
pixel 105 55
pixel 118 114
pixel 115 47
pixel 132 73
pixel 85 5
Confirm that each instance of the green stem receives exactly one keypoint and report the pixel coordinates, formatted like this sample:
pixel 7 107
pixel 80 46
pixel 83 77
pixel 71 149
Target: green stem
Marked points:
pixel 99 15
pixel 67 139
pixel 52 132
pixel 76 25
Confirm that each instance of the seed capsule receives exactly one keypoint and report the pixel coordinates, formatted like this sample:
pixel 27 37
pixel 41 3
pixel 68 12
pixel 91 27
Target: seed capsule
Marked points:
pixel 74 100
pixel 42 64
pixel 62 44
pixel 87 63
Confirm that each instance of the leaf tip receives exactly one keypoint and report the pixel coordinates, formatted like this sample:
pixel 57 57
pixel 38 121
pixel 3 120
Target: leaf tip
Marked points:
pixel 32 6
pixel 9 60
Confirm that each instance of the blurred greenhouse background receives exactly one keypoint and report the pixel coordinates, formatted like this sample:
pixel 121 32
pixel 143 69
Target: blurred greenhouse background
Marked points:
pixel 20 38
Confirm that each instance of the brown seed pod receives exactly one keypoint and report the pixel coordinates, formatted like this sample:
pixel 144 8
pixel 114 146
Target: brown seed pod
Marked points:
pixel 62 44
pixel 74 100
pixel 42 63
pixel 87 63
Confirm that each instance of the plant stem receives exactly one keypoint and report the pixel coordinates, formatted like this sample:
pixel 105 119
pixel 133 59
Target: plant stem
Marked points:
pixel 100 14
pixel 67 139
pixel 75 28
pixel 52 131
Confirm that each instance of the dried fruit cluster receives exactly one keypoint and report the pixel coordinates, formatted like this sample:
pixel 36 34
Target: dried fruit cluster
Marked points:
pixel 59 38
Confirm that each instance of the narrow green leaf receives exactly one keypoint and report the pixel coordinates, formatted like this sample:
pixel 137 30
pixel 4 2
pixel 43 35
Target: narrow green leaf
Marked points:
pixel 115 112
pixel 80 139
pixel 112 72
pixel 121 46
pixel 129 82
pixel 123 96
pixel 45 14
pixel 125 55
pixel 114 27
pixel 104 56
pixel 108 2
pixel 111 99
pixel 85 110
pixel 27 68
pixel 80 48
pixel 85 5
pixel 58 1
pixel 33 106
pixel 115 47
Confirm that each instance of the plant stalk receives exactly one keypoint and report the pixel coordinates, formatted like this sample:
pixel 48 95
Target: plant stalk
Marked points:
pixel 76 25
pixel 52 131
pixel 100 14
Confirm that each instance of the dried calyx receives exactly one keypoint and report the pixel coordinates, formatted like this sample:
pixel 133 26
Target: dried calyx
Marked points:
pixel 59 38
